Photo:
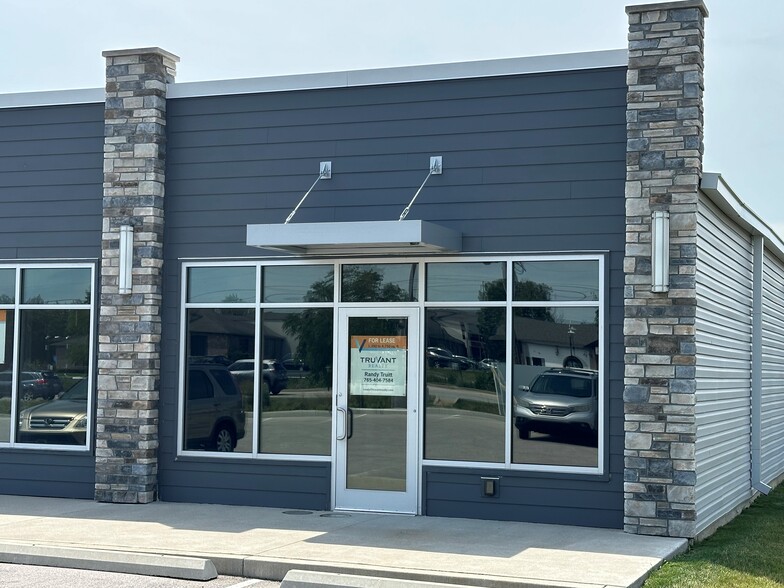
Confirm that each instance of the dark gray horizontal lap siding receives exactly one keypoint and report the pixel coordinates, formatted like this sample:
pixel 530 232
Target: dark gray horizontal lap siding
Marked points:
pixel 272 484
pixel 51 170
pixel 504 139
pixel 531 163
pixel 537 500
pixel 37 473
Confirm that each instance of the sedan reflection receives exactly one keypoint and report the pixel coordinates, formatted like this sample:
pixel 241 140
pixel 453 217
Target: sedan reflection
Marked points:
pixel 62 421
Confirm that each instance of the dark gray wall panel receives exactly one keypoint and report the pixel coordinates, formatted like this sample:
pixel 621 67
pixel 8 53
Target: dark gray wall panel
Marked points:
pixel 531 163
pixel 56 146
pixel 55 118
pixel 453 493
pixel 51 171
pixel 409 107
pixel 39 473
pixel 273 484
pixel 541 90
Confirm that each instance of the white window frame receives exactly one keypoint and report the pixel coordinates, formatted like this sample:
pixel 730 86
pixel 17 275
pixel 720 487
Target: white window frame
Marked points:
pixel 17 308
pixel 258 307
pixel 423 305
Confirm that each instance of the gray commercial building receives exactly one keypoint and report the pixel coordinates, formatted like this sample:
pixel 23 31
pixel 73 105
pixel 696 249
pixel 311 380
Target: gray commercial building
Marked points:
pixel 502 289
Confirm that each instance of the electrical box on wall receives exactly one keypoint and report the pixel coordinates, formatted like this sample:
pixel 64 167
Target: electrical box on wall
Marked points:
pixel 490 486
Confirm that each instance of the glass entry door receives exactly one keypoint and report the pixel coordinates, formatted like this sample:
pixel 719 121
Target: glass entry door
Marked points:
pixel 376 424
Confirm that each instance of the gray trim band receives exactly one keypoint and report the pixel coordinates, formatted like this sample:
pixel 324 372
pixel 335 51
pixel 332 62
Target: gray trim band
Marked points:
pixel 53 98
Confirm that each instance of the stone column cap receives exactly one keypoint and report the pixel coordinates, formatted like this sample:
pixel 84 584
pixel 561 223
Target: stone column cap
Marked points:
pixel 679 5
pixel 141 51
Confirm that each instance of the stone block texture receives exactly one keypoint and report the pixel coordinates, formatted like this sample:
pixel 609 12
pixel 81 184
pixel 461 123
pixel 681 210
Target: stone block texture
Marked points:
pixel 130 324
pixel 663 168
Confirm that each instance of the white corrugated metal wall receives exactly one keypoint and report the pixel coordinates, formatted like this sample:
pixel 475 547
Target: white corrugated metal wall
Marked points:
pixel 724 309
pixel 772 429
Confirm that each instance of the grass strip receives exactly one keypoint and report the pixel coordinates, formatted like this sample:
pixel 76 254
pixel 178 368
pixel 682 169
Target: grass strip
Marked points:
pixel 746 553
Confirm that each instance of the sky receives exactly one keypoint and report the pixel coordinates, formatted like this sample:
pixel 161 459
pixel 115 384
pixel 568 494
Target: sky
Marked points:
pixel 57 44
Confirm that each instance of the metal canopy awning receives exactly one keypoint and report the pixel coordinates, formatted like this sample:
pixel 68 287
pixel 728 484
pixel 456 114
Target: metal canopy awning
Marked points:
pixel 353 238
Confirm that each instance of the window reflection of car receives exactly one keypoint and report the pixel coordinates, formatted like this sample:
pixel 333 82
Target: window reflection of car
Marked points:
pixel 32 385
pixel 295 364
pixel 465 363
pixel 219 359
pixel 5 384
pixel 214 417
pixel 273 373
pixel 557 400
pixel 443 358
pixel 62 421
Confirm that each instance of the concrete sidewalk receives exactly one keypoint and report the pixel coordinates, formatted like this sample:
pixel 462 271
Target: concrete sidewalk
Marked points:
pixel 267 543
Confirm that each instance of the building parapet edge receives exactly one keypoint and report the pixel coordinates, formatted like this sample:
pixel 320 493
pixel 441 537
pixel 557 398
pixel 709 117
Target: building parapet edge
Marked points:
pixel 53 98
pixel 407 74
pixel 342 79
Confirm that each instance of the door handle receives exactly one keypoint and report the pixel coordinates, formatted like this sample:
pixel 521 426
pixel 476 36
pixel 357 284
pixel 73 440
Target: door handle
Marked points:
pixel 341 436
pixel 350 423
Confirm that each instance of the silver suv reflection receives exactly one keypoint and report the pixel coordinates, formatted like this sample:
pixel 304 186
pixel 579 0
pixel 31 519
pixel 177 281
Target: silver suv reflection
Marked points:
pixel 556 400
pixel 214 416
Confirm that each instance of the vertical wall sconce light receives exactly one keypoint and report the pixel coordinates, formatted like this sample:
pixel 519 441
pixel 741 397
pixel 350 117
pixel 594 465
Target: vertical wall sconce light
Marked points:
pixel 126 259
pixel 660 251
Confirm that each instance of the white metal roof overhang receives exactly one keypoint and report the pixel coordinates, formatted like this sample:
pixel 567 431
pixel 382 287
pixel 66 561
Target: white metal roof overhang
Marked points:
pixel 352 238
pixel 715 187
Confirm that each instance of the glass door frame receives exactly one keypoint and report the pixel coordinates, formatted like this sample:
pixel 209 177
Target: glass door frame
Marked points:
pixel 343 498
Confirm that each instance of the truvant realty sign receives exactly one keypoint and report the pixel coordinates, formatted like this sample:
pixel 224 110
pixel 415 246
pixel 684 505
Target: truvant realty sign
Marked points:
pixel 378 365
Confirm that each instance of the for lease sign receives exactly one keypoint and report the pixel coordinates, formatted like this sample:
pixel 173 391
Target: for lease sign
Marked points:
pixel 378 365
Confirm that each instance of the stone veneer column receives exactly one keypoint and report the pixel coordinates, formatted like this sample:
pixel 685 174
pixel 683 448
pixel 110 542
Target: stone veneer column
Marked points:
pixel 663 167
pixel 130 324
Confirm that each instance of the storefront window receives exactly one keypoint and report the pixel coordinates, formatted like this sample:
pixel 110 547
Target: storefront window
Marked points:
pixel 222 284
pixel 49 385
pixel 56 286
pixel 219 393
pixel 464 409
pixel 54 357
pixel 296 405
pixel 258 380
pixel 380 283
pixel 466 282
pixel 510 370
pixel 555 394
pixel 298 283
pixel 576 280
pixel 7 373
pixel 7 286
